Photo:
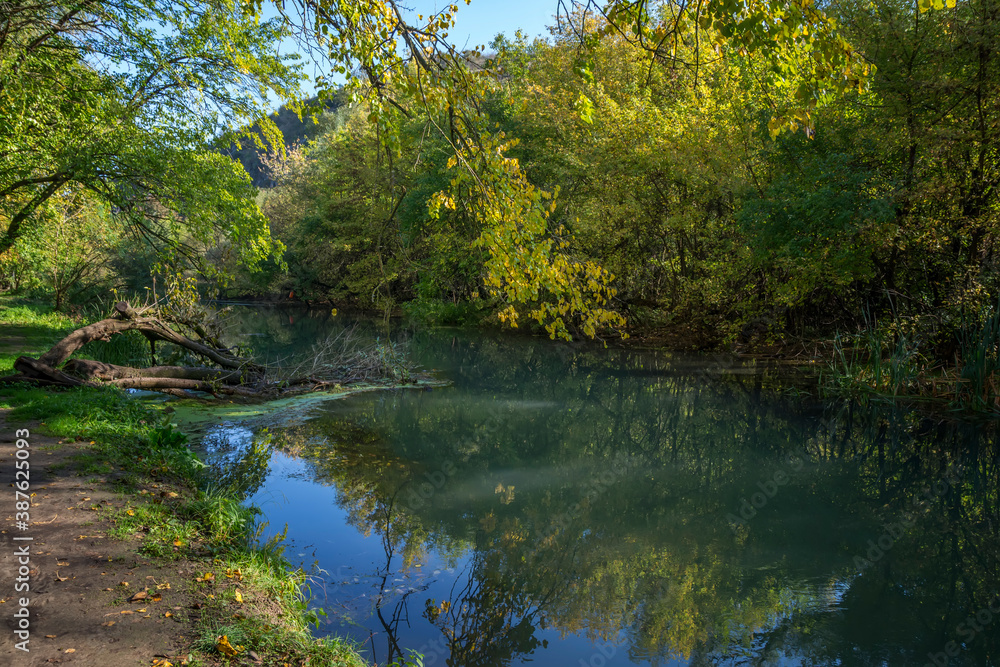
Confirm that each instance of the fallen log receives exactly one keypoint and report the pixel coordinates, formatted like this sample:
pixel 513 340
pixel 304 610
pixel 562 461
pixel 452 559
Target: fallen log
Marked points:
pixel 35 369
pixel 150 327
pixel 157 384
pixel 334 361
pixel 98 370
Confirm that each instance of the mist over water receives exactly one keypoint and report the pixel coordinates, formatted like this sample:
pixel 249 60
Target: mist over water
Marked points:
pixel 573 505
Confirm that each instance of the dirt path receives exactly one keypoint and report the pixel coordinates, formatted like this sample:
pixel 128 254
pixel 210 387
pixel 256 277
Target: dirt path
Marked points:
pixel 79 610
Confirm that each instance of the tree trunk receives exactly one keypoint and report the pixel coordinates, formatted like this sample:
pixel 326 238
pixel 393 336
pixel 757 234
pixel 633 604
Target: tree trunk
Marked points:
pixel 150 327
pixel 98 370
pixel 38 370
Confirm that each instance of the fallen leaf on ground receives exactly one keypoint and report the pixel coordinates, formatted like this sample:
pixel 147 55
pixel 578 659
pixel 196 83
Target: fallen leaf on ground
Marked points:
pixel 50 636
pixel 58 578
pixel 223 646
pixel 109 623
pixel 139 597
pixel 239 597
pixel 70 650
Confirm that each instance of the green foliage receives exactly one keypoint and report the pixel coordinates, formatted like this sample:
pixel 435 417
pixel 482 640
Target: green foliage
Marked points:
pixel 101 105
pixel 334 207
pixel 818 226
pixel 296 129
pixel 413 659
pixel 645 159
pixel 129 348
pixel 99 413
pixel 222 518
pixel 446 313
pixel 34 315
pixel 979 377
pixel 639 161
pixel 877 363
pixel 253 634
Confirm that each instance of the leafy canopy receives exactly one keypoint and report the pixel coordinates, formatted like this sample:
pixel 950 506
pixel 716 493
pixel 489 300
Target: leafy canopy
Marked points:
pixel 403 69
pixel 127 99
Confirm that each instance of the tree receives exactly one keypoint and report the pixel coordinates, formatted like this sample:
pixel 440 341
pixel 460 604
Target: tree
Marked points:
pixel 96 98
pixel 936 89
pixel 76 244
pixel 405 69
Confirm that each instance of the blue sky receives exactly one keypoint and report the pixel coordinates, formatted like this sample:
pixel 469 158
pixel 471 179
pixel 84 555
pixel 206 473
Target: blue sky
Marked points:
pixel 481 20
pixel 478 22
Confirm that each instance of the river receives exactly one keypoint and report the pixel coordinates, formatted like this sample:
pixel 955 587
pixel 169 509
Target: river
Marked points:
pixel 572 505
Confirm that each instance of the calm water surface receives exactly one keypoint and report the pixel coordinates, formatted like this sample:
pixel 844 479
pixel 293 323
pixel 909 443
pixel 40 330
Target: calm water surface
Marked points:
pixel 572 505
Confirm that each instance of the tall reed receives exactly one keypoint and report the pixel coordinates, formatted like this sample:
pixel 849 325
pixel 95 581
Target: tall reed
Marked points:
pixel 979 340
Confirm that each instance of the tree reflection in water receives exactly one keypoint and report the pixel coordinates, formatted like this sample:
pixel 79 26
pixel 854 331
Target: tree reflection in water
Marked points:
pixel 590 497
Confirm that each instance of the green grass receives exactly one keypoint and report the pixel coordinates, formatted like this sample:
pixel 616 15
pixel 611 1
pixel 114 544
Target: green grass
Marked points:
pixel 162 532
pixel 876 363
pixel 29 329
pixel 249 634
pixel 174 512
pixel 105 414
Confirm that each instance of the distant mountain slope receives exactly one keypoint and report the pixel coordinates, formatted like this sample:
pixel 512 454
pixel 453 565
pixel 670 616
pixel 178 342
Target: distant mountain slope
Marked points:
pixel 292 129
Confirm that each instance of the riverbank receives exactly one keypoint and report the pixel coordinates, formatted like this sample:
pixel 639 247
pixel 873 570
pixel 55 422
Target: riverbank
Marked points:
pixel 131 560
